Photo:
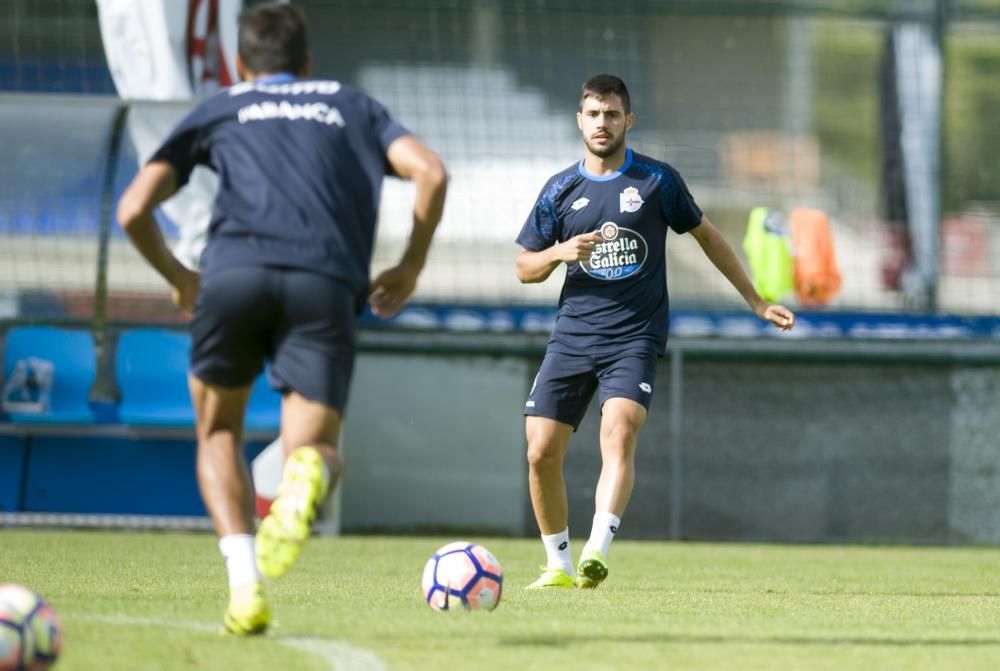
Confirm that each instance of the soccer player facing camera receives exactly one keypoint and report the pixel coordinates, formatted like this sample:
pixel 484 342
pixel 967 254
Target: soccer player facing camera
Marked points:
pixel 283 276
pixel 606 217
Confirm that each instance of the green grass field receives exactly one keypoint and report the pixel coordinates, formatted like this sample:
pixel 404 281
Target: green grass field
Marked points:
pixel 141 601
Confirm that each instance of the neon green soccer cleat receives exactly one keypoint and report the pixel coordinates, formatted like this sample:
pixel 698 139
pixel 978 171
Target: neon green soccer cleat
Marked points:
pixel 553 577
pixel 248 613
pixel 284 531
pixel 592 570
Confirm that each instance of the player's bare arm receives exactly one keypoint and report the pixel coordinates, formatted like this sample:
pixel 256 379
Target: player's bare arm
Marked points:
pixel 411 159
pixel 722 256
pixel 535 267
pixel 154 183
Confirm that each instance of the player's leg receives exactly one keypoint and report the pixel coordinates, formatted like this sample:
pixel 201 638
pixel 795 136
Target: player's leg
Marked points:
pixel 223 478
pixel 548 440
pixel 227 353
pixel 306 423
pixel 312 365
pixel 309 432
pixel 224 482
pixel 555 406
pixel 621 421
pixel 626 390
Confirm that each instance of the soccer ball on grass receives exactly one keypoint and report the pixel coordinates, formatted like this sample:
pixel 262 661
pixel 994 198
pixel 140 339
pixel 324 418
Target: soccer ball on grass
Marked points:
pixel 30 634
pixel 462 576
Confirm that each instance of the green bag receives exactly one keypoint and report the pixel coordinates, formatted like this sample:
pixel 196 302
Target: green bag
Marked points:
pixel 767 251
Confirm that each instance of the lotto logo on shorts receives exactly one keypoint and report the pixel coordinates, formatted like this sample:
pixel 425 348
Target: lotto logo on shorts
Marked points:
pixel 646 387
pixel 622 253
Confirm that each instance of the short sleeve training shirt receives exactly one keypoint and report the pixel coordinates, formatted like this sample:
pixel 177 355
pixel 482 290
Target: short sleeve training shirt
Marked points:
pixel 300 165
pixel 617 296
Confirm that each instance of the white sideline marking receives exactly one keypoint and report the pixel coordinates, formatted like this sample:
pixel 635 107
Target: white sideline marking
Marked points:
pixel 339 655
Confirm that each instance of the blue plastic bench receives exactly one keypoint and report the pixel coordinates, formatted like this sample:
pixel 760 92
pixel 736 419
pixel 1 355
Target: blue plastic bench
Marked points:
pixel 70 356
pixel 152 366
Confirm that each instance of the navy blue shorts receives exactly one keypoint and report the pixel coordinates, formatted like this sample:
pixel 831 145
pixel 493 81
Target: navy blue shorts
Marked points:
pixel 301 322
pixel 566 382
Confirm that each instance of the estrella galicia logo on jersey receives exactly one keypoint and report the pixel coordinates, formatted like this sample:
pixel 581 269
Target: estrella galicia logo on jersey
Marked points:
pixel 621 255
pixel 630 200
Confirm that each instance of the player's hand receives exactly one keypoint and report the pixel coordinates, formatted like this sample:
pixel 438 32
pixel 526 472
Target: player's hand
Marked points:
pixel 185 291
pixel 579 247
pixel 391 288
pixel 778 315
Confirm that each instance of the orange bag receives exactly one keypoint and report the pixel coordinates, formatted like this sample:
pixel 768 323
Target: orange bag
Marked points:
pixel 817 275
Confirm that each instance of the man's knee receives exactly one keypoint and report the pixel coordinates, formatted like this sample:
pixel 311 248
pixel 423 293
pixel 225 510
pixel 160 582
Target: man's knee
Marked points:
pixel 620 427
pixel 543 453
pixel 619 442
pixel 622 416
pixel 547 441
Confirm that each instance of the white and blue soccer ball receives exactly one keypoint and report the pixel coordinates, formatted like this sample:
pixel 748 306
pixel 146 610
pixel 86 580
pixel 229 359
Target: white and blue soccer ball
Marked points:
pixel 30 633
pixel 462 576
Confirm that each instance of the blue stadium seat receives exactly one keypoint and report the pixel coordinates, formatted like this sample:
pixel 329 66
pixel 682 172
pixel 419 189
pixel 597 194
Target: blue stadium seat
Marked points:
pixel 152 367
pixel 70 356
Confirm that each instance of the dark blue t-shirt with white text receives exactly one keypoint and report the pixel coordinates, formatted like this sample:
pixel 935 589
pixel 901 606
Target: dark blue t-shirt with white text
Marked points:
pixel 617 297
pixel 300 165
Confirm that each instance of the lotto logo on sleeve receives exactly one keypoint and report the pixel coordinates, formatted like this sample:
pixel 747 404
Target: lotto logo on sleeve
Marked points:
pixel 621 254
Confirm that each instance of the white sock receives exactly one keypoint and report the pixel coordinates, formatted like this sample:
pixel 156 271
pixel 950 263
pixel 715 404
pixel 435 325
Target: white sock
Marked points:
pixel 602 533
pixel 557 551
pixel 241 563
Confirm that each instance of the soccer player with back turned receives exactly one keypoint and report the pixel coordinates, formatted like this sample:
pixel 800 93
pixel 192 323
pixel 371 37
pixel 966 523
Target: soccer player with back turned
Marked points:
pixel 283 276
pixel 606 217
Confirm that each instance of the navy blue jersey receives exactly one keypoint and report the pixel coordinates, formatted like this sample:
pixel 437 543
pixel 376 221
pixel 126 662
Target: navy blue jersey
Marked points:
pixel 618 296
pixel 300 165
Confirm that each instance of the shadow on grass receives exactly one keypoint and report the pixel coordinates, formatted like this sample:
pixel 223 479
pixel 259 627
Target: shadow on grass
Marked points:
pixel 565 641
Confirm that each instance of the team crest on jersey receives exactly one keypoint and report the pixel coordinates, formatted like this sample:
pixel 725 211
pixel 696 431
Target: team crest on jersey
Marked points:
pixel 622 253
pixel 630 200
